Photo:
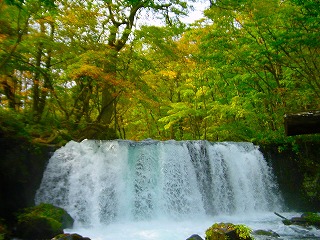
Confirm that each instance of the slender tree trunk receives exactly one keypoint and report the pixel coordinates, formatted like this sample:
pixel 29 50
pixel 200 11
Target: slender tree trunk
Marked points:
pixel 7 83
pixel 36 79
pixel 36 83
pixel 46 77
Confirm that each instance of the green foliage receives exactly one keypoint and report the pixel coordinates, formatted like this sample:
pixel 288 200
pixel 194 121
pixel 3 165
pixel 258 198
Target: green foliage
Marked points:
pixel 231 77
pixel 12 124
pixel 243 231
pixel 215 232
pixel 312 218
pixel 311 182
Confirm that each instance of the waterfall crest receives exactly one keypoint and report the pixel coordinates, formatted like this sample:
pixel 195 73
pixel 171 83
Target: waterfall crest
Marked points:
pixel 107 181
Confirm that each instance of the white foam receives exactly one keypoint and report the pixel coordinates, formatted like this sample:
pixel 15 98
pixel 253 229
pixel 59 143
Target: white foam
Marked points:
pixel 181 230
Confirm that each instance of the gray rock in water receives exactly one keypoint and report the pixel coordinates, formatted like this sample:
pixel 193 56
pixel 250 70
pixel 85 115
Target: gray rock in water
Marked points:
pixel 194 237
pixel 67 236
pixel 268 233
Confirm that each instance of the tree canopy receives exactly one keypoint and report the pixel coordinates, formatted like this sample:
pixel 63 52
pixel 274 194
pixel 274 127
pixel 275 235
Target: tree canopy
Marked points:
pixel 102 69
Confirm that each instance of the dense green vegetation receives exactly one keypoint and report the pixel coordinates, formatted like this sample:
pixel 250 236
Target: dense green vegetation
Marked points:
pixel 100 69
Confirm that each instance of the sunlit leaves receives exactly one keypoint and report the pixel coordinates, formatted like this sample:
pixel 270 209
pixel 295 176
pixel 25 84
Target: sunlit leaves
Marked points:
pixel 232 76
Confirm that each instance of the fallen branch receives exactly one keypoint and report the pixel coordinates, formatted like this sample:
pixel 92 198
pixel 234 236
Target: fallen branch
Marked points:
pixel 280 216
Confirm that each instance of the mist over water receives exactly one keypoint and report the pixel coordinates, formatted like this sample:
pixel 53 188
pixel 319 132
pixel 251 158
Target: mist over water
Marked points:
pixel 158 189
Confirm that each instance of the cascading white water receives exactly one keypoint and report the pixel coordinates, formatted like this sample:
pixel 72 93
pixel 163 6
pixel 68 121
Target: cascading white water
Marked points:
pixel 102 182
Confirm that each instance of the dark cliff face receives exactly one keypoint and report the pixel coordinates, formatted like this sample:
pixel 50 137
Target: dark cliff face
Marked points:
pixel 21 167
pixel 297 170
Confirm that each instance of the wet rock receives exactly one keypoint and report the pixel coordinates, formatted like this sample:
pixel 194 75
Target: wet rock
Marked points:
pixel 194 237
pixel 42 222
pixel 224 231
pixel 37 227
pixel 268 233
pixel 305 220
pixel 67 236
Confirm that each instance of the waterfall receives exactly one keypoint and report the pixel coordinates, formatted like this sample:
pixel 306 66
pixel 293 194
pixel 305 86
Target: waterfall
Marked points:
pixel 100 182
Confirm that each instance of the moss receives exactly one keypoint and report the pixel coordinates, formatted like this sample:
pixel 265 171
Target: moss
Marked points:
pixel 243 231
pixel 42 221
pixel 312 218
pixel 226 231
pixel 286 222
pixel 38 227
pixel 51 212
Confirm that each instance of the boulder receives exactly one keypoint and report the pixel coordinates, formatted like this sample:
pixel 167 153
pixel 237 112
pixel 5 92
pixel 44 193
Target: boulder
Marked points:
pixel 228 231
pixel 194 237
pixel 38 227
pixel 42 222
pixel 305 220
pixel 312 219
pixel 268 233
pixel 68 236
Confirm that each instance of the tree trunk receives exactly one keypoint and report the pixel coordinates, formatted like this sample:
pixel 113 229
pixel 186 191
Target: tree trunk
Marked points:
pixel 36 85
pixel 7 83
pixel 107 105
pixel 108 94
pixel 46 76
pixel 36 79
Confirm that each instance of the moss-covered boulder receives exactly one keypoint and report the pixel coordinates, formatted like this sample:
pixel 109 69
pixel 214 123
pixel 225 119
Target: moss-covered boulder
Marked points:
pixel 68 236
pixel 267 233
pixel 312 219
pixel 228 231
pixel 306 220
pixel 42 222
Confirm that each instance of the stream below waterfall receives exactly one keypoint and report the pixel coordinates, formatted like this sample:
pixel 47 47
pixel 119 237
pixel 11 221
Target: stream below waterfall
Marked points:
pixel 163 190
pixel 181 230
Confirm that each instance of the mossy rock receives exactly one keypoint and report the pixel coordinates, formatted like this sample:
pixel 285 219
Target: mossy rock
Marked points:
pixel 305 220
pixel 42 222
pixel 228 231
pixel 312 218
pixel 268 233
pixel 38 227
pixel 68 236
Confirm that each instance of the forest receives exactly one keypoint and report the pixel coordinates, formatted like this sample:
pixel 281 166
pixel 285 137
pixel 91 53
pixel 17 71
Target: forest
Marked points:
pixel 133 69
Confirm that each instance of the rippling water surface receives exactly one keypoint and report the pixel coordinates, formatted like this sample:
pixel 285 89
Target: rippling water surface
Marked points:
pixel 181 230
